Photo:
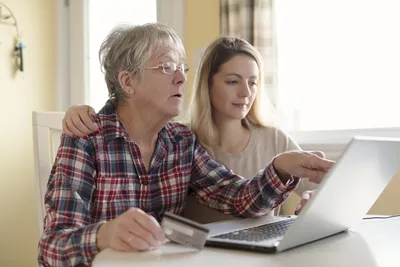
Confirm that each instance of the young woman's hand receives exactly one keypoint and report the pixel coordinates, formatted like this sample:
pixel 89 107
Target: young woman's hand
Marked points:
pixel 304 199
pixel 79 121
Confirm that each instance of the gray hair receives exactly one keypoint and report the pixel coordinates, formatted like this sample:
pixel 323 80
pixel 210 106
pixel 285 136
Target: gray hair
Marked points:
pixel 129 47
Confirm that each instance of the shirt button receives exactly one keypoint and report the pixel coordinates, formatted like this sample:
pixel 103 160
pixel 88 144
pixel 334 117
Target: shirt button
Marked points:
pixel 145 182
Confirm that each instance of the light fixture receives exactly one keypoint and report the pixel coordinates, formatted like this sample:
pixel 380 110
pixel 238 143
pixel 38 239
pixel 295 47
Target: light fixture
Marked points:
pixel 7 18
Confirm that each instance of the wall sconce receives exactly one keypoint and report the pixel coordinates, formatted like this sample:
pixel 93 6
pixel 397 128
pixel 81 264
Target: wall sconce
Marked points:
pixel 8 18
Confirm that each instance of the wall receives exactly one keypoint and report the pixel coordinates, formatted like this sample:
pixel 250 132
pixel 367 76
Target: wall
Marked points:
pixel 388 202
pixel 201 28
pixel 21 94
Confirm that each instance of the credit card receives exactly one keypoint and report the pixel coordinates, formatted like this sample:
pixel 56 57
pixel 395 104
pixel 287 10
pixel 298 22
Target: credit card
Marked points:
pixel 183 231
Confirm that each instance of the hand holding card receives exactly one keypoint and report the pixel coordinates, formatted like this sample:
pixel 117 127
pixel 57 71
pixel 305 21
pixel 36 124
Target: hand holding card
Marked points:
pixel 183 231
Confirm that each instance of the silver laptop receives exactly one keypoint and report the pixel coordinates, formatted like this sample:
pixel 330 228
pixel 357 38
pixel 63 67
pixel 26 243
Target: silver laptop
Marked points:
pixel 344 197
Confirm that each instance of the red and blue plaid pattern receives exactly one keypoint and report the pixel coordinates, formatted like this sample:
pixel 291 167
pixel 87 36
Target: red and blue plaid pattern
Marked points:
pixel 99 177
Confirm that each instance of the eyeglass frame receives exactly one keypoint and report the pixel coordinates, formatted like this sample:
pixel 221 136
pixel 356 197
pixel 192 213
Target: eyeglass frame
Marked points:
pixel 178 66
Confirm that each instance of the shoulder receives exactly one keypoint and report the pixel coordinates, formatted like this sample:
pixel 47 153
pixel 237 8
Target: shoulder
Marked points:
pixel 74 144
pixel 270 132
pixel 75 150
pixel 277 136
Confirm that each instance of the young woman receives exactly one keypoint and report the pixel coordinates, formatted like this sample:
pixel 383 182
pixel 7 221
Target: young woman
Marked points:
pixel 225 115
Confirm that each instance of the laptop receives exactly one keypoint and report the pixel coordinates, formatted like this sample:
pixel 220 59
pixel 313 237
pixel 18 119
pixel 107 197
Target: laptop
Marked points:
pixel 344 197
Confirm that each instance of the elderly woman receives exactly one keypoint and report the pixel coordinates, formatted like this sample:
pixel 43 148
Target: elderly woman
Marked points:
pixel 110 189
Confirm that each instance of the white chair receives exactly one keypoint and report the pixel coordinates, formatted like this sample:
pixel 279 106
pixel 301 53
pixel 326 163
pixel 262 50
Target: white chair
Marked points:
pixel 47 129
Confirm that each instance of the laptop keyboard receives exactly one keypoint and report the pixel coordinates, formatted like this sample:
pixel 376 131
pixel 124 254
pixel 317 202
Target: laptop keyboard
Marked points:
pixel 259 233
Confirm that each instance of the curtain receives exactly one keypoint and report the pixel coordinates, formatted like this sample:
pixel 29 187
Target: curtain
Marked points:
pixel 254 21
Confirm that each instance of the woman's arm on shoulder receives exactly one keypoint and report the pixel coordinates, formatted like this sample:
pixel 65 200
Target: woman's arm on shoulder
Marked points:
pixel 79 121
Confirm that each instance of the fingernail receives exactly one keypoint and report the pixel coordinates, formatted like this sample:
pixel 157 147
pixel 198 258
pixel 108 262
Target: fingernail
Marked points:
pixel 298 207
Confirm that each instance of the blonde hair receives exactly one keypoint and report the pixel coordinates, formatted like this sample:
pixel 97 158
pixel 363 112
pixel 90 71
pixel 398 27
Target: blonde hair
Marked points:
pixel 200 109
pixel 129 47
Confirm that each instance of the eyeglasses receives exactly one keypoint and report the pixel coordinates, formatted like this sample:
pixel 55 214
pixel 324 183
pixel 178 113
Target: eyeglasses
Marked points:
pixel 171 67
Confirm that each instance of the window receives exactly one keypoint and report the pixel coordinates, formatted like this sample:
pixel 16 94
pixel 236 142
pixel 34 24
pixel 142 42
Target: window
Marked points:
pixel 103 16
pixel 338 64
pixel 81 27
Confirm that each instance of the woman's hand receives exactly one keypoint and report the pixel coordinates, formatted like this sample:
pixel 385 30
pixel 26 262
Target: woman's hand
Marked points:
pixel 311 165
pixel 304 199
pixel 79 121
pixel 133 230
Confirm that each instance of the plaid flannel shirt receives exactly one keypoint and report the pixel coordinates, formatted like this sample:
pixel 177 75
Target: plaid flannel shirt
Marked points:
pixel 97 178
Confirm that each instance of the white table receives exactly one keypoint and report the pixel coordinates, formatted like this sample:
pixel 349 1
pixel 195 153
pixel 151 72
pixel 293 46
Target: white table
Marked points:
pixel 371 244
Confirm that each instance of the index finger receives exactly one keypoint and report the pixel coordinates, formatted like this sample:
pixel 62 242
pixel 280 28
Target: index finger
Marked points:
pixel 322 164
pixel 66 130
pixel 88 121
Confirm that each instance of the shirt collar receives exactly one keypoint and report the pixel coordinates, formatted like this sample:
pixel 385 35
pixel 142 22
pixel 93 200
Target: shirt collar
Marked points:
pixel 112 128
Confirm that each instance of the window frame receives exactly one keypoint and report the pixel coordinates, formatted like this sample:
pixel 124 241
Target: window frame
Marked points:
pixel 72 57
pixel 333 142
